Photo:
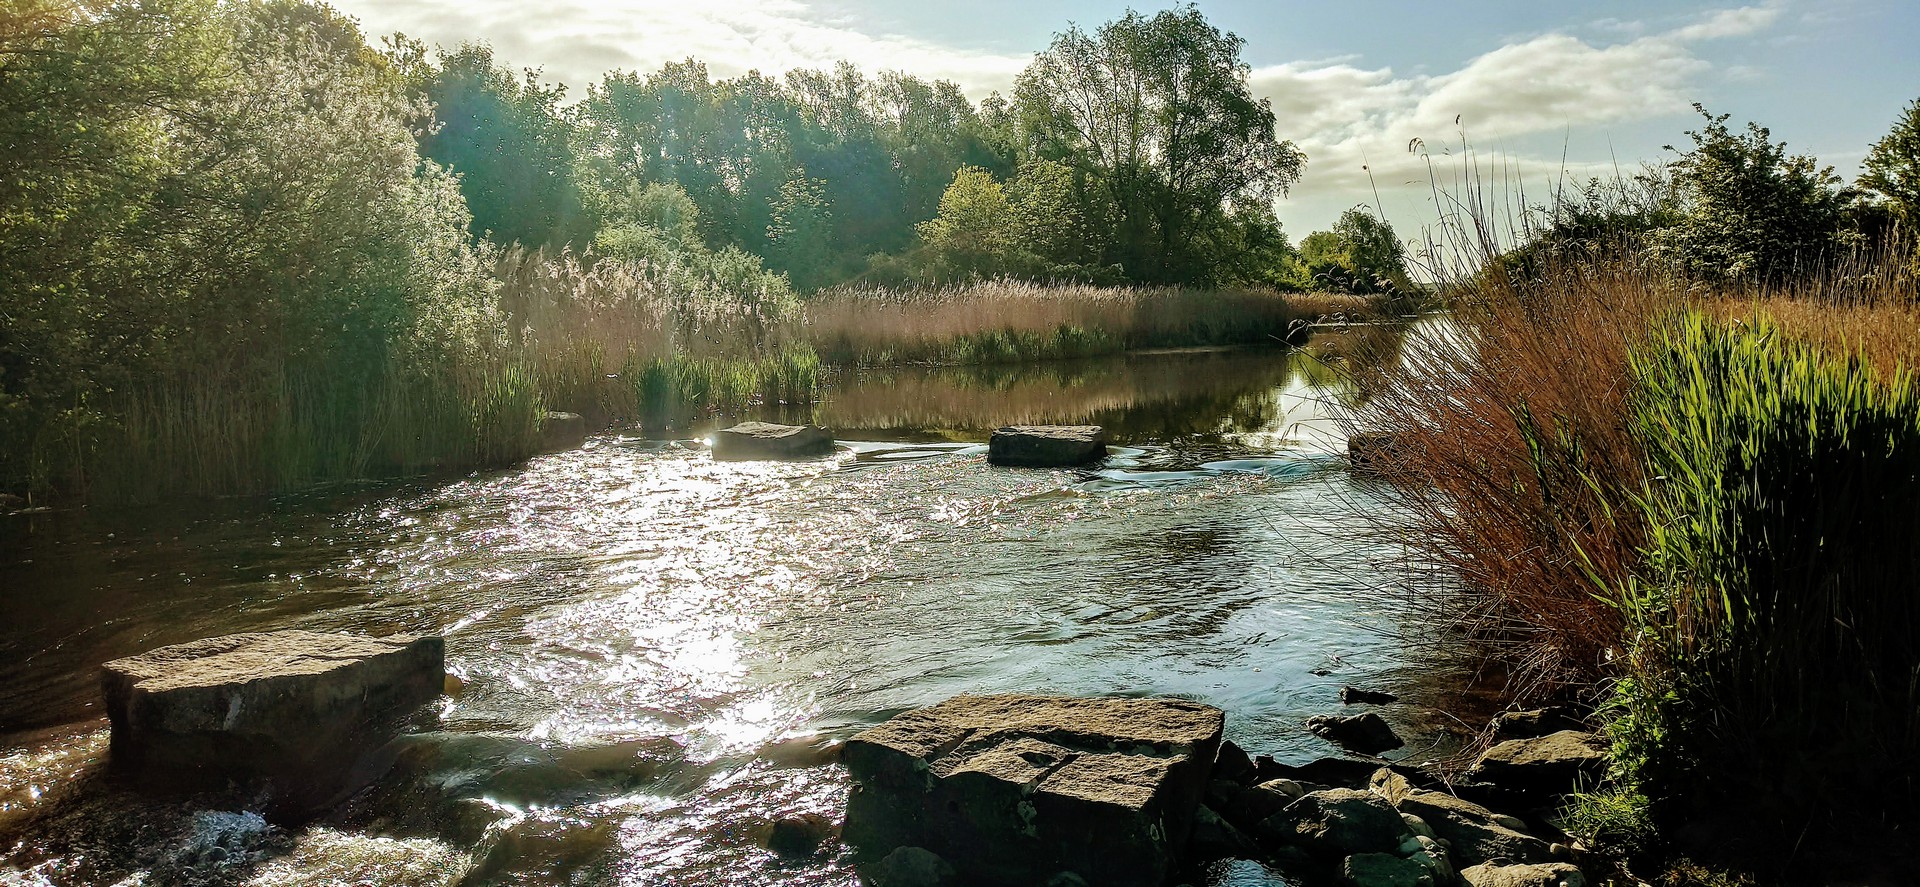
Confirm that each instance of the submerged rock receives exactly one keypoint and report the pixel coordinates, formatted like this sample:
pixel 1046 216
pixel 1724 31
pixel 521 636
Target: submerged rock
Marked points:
pixel 765 440
pixel 1025 790
pixel 1554 764
pixel 798 837
pixel 295 708
pixel 1357 696
pixel 562 431
pixel 1366 734
pixel 1047 446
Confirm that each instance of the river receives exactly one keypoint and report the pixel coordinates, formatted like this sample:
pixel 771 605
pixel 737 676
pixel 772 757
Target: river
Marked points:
pixel 652 646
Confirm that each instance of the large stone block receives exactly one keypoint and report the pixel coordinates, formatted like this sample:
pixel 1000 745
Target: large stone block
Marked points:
pixel 765 440
pixel 1047 446
pixel 1021 790
pixel 295 708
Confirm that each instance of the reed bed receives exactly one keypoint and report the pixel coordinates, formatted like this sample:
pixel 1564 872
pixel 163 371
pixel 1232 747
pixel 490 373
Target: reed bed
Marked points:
pixel 1008 320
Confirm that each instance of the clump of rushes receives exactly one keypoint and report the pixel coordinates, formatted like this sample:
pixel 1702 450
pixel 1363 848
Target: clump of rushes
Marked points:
pixel 1775 624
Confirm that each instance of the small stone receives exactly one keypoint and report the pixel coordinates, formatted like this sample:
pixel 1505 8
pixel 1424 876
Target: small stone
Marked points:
pixel 1215 838
pixel 1418 826
pixel 1512 822
pixel 1357 696
pixel 1384 870
pixel 1546 874
pixel 1535 723
pixel 1365 734
pixel 1047 446
pixel 1389 785
pixel 1470 830
pixel 1251 805
pixel 798 837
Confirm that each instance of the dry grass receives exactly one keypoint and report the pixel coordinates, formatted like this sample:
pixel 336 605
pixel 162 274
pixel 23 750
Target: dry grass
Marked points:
pixel 1009 320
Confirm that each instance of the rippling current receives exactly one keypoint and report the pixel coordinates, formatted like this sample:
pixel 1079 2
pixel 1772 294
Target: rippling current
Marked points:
pixel 653 647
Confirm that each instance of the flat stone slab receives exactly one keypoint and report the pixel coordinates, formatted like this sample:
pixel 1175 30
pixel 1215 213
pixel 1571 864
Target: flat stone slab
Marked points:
pixel 1021 790
pixel 765 440
pixel 1553 764
pixel 1047 446
pixel 296 708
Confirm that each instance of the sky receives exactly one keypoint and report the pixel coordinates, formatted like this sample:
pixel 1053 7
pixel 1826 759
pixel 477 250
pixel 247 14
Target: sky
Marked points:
pixel 1382 96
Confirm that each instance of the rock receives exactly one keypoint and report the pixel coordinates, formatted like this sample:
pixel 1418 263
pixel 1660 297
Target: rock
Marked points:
pixel 1018 790
pixel 562 431
pixel 1234 764
pixel 1389 785
pixel 1534 724
pixel 765 440
pixel 798 837
pixel 1473 833
pixel 1546 874
pixel 1384 870
pixel 1251 805
pixel 1553 764
pixel 1215 838
pixel 1047 446
pixel 1340 772
pixel 1371 451
pixel 910 867
pixel 1338 822
pixel 1357 696
pixel 294 708
pixel 1365 734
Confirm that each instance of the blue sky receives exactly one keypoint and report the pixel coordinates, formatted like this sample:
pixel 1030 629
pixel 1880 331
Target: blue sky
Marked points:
pixel 1602 85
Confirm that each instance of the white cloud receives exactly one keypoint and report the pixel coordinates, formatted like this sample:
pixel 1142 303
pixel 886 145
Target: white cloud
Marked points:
pixel 1356 124
pixel 576 41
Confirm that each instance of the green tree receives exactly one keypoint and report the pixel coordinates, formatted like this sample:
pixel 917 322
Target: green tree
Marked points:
pixel 1049 214
pixel 507 140
pixel 801 232
pixel 1361 254
pixel 973 234
pixel 1892 167
pixel 1750 209
pixel 1158 110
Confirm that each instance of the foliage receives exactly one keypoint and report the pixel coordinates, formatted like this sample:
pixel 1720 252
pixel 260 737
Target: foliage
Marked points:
pixel 1157 114
pixel 1749 209
pixel 1777 605
pixel 1892 167
pixel 1361 255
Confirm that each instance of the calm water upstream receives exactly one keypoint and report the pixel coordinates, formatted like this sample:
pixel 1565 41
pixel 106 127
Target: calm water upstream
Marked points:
pixel 653 645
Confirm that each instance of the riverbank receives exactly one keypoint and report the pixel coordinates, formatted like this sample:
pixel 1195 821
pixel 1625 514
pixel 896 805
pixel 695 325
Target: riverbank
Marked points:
pixel 1670 505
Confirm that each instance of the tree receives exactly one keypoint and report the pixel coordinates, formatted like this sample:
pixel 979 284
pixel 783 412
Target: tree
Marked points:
pixel 1361 255
pixel 1751 210
pixel 508 142
pixel 1159 111
pixel 801 231
pixel 973 234
pixel 1892 167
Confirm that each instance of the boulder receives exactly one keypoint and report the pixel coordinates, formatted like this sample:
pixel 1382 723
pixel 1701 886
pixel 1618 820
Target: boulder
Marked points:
pixel 1474 833
pixel 1553 764
pixel 1047 446
pixel 1338 822
pixel 1545 874
pixel 1215 838
pixel 562 431
pixel 1251 805
pixel 294 708
pixel 1385 870
pixel 1021 790
pixel 1365 734
pixel 1357 696
pixel 1234 764
pixel 765 440
pixel 1535 723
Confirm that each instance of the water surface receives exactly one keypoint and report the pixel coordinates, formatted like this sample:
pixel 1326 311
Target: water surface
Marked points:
pixel 655 646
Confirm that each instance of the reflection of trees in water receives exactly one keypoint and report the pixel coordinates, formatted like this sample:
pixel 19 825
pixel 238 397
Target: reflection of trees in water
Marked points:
pixel 1182 393
pixel 1349 360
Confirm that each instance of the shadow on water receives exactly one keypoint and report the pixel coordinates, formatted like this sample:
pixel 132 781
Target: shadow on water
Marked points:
pixel 655 647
